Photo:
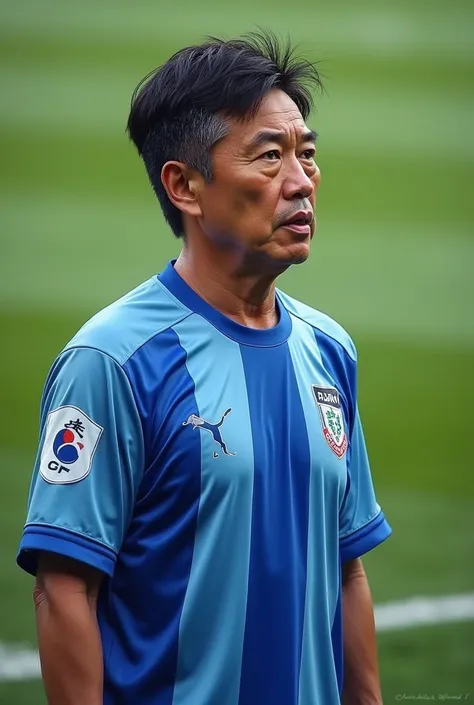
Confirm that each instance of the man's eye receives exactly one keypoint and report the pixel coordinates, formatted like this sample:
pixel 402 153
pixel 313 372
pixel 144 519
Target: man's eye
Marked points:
pixel 272 155
pixel 309 154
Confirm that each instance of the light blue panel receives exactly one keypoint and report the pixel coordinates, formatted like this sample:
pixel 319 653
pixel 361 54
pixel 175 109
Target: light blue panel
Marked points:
pixel 86 519
pixel 360 507
pixel 128 323
pixel 213 617
pixel 320 321
pixel 318 675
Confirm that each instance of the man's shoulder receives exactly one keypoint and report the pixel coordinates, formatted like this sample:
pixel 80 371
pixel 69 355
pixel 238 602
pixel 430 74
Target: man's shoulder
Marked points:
pixel 323 324
pixel 121 328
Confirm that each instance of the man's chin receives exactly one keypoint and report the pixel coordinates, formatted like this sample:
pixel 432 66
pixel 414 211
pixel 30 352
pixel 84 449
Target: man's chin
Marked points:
pixel 278 258
pixel 297 253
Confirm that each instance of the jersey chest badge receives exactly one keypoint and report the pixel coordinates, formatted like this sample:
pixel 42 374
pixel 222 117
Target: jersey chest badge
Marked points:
pixel 329 405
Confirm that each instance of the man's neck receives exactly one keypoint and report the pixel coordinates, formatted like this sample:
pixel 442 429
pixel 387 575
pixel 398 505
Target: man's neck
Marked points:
pixel 246 299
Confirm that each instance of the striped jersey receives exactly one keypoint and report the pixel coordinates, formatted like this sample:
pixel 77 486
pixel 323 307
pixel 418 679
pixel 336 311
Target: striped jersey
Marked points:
pixel 218 476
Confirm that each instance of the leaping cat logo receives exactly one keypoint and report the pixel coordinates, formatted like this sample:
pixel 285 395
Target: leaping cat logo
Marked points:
pixel 213 428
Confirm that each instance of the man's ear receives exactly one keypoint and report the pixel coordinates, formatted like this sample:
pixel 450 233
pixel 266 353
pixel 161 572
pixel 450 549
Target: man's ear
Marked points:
pixel 182 184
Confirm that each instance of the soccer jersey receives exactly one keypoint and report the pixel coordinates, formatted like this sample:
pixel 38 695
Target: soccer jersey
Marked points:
pixel 218 476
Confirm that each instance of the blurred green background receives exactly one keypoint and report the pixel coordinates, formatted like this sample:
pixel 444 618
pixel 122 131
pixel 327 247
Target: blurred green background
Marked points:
pixel 392 259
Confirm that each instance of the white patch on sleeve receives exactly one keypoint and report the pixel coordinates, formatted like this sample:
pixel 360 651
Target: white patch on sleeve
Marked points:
pixel 70 441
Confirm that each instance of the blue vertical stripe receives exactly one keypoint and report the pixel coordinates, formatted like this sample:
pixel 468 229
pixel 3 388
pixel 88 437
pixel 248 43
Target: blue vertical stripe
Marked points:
pixel 150 607
pixel 343 370
pixel 318 676
pixel 336 638
pixel 277 581
pixel 213 619
pixel 342 367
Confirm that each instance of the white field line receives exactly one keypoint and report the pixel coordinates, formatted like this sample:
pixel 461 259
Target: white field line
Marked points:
pixel 421 611
pixel 19 663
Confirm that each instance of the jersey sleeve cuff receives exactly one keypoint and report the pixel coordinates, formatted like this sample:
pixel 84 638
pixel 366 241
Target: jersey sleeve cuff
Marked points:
pixel 40 537
pixel 364 539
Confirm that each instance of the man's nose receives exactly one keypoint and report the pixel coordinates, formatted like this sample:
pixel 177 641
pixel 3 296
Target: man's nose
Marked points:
pixel 298 184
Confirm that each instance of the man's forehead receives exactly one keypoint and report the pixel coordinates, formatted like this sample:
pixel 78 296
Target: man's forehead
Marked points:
pixel 277 112
pixel 290 118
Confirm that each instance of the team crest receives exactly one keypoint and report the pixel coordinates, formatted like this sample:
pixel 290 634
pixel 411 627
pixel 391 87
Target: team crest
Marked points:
pixel 327 399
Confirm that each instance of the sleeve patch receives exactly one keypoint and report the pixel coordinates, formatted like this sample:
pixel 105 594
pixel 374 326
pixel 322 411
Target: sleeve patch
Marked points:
pixel 70 441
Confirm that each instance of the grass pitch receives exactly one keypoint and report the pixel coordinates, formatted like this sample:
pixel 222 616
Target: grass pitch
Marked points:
pixel 392 258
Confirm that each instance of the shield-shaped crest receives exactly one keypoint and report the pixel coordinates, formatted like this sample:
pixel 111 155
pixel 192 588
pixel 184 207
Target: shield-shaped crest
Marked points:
pixel 332 420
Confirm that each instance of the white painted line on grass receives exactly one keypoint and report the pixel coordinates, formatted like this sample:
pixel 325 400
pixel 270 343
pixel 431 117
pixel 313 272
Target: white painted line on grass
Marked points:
pixel 421 611
pixel 19 663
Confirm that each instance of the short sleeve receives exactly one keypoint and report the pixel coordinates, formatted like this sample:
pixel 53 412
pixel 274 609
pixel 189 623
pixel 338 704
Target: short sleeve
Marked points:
pixel 89 463
pixel 362 524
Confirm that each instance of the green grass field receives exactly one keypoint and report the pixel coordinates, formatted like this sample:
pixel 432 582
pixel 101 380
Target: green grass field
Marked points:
pixel 393 259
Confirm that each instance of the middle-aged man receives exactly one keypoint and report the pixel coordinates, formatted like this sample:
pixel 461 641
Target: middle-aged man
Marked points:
pixel 202 494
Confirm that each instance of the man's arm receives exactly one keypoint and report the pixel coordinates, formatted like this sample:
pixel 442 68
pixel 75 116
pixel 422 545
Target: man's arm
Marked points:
pixel 69 641
pixel 361 679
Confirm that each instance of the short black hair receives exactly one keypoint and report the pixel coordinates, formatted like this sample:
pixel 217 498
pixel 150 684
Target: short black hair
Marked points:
pixel 179 110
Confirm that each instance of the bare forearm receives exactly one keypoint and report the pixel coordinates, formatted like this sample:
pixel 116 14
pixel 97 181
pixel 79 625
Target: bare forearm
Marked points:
pixel 69 641
pixel 70 652
pixel 361 679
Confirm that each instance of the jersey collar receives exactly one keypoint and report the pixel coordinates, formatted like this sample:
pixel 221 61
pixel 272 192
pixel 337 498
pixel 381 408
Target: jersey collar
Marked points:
pixel 241 334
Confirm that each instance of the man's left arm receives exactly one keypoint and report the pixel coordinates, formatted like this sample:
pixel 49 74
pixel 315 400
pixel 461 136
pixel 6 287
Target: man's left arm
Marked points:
pixel 362 527
pixel 361 673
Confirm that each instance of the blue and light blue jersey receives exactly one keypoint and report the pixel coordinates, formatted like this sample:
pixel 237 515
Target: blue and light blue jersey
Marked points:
pixel 218 476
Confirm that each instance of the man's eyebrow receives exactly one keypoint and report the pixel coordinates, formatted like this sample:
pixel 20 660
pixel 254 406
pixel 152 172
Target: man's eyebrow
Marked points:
pixel 266 136
pixel 309 136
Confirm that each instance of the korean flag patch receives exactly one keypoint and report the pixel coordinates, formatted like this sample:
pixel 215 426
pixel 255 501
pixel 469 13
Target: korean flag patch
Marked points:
pixel 70 441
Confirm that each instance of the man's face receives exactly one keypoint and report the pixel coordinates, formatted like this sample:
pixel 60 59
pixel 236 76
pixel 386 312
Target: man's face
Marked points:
pixel 262 197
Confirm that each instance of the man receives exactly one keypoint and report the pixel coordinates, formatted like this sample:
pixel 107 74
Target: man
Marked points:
pixel 202 494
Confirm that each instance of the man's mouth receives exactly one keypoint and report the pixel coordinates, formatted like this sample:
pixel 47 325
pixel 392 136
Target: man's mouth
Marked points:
pixel 300 222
